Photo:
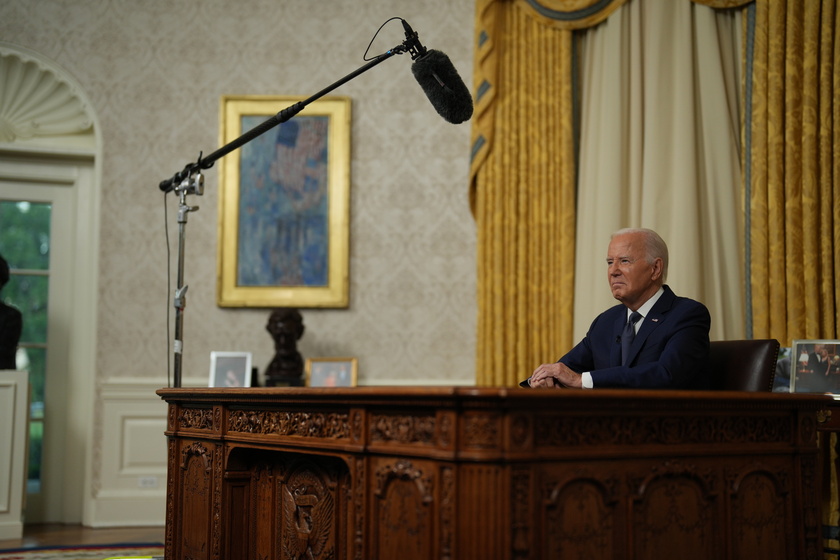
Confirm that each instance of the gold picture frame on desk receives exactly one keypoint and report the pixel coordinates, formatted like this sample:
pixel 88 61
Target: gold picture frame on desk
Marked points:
pixel 331 372
pixel 815 366
pixel 284 205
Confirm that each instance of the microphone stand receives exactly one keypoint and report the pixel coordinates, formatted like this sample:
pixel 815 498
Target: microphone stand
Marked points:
pixel 190 181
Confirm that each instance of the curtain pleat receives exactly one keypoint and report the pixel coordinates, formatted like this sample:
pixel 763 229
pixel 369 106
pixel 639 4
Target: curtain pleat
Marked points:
pixel 488 12
pixel 831 34
pixel 827 180
pixel 523 197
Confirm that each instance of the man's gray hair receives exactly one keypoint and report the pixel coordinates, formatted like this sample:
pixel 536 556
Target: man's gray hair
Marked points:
pixel 655 247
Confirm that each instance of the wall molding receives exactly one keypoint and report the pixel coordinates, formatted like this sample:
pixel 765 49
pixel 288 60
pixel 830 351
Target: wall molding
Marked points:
pixel 130 471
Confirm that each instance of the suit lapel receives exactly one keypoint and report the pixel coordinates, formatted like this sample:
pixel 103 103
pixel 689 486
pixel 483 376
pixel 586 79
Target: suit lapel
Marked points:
pixel 615 353
pixel 655 317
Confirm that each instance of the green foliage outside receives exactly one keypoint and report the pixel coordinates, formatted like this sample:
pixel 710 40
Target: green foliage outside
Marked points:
pixel 36 438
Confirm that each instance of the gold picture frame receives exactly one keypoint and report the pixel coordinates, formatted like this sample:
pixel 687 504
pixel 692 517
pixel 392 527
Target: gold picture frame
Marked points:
pixel 284 205
pixel 331 372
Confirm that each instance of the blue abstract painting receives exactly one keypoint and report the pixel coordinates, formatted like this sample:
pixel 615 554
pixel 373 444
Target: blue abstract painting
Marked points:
pixel 283 204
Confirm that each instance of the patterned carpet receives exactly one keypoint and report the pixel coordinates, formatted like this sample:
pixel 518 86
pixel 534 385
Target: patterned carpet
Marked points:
pixel 107 552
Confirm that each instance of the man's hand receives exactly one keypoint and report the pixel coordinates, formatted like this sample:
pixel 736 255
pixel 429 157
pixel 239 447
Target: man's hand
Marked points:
pixel 553 375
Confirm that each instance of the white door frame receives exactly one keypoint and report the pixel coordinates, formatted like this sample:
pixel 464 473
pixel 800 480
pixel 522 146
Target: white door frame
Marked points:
pixel 61 180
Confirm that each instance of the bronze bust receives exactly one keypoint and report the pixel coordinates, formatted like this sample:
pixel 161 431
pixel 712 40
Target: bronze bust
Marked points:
pixel 286 328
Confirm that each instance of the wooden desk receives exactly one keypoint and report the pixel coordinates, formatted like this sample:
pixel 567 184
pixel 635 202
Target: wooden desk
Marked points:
pixel 467 473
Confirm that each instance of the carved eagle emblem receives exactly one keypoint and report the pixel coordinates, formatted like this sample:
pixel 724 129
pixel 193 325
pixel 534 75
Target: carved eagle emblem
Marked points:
pixel 307 523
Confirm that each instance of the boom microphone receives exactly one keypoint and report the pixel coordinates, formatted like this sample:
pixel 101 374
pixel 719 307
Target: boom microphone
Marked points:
pixel 439 80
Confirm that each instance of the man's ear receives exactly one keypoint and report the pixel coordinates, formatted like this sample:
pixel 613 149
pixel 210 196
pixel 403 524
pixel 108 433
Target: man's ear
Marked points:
pixel 656 274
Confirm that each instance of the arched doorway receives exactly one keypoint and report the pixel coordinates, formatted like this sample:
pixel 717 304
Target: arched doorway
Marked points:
pixel 49 157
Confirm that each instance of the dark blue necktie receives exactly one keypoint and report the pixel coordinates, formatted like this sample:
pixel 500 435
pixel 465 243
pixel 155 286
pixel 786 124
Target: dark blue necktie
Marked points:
pixel 628 334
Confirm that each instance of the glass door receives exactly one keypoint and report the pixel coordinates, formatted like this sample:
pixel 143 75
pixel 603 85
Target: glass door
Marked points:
pixel 36 239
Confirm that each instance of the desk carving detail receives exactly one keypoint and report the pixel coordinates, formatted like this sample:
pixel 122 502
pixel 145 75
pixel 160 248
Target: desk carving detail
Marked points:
pixel 581 518
pixel 677 504
pixel 405 509
pixel 302 424
pixel 563 431
pixel 403 428
pixel 482 431
pixel 195 450
pixel 308 511
pixel 196 418
pixel 403 470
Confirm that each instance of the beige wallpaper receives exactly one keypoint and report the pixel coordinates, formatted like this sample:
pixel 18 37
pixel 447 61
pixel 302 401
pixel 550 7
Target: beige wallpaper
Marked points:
pixel 155 72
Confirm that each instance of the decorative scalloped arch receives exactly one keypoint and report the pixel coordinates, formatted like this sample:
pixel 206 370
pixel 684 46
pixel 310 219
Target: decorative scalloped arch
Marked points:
pixel 36 100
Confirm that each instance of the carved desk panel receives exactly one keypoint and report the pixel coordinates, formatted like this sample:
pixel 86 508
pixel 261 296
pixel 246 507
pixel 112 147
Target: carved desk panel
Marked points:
pixel 466 473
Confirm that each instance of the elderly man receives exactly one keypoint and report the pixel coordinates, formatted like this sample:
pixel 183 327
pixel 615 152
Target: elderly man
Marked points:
pixel 653 339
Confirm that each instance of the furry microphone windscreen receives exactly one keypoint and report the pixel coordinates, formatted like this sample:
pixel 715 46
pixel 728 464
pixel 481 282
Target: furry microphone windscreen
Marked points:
pixel 443 86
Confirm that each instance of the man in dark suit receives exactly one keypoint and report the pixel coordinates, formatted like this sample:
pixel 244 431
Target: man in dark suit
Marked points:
pixel 822 377
pixel 819 361
pixel 664 338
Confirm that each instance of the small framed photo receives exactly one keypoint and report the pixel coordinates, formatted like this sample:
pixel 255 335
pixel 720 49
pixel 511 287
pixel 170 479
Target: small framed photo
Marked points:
pixel 331 372
pixel 815 366
pixel 230 369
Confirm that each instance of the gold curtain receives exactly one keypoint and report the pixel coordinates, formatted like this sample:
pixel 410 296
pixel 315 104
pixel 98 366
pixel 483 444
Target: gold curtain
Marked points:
pixel 793 169
pixel 522 189
pixel 792 182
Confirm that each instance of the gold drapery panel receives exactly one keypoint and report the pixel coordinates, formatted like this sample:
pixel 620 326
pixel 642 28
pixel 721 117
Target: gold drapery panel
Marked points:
pixel 490 18
pixel 522 191
pixel 793 169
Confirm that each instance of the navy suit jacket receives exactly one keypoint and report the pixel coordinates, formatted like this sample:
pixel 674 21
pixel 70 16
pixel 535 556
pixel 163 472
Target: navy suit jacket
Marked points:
pixel 670 351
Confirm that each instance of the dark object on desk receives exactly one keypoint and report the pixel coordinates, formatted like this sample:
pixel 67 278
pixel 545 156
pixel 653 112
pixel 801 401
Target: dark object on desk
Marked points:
pixel 11 324
pixel 743 365
pixel 286 368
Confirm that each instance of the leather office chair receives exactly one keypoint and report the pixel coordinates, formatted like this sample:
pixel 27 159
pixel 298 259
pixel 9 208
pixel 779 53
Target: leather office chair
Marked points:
pixel 743 365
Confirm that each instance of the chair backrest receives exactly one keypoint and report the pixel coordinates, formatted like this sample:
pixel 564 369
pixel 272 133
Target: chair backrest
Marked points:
pixel 743 365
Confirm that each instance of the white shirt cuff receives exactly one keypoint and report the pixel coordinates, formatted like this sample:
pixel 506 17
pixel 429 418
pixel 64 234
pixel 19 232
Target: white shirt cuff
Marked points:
pixel 586 380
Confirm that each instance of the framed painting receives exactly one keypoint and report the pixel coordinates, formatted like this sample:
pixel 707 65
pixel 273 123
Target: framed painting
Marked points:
pixel 815 366
pixel 331 372
pixel 284 205
pixel 230 369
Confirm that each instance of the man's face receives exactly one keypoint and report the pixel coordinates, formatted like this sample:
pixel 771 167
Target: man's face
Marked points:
pixel 633 280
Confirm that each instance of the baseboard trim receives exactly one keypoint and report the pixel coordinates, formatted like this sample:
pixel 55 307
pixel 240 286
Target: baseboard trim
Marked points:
pixel 11 530
pixel 129 511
